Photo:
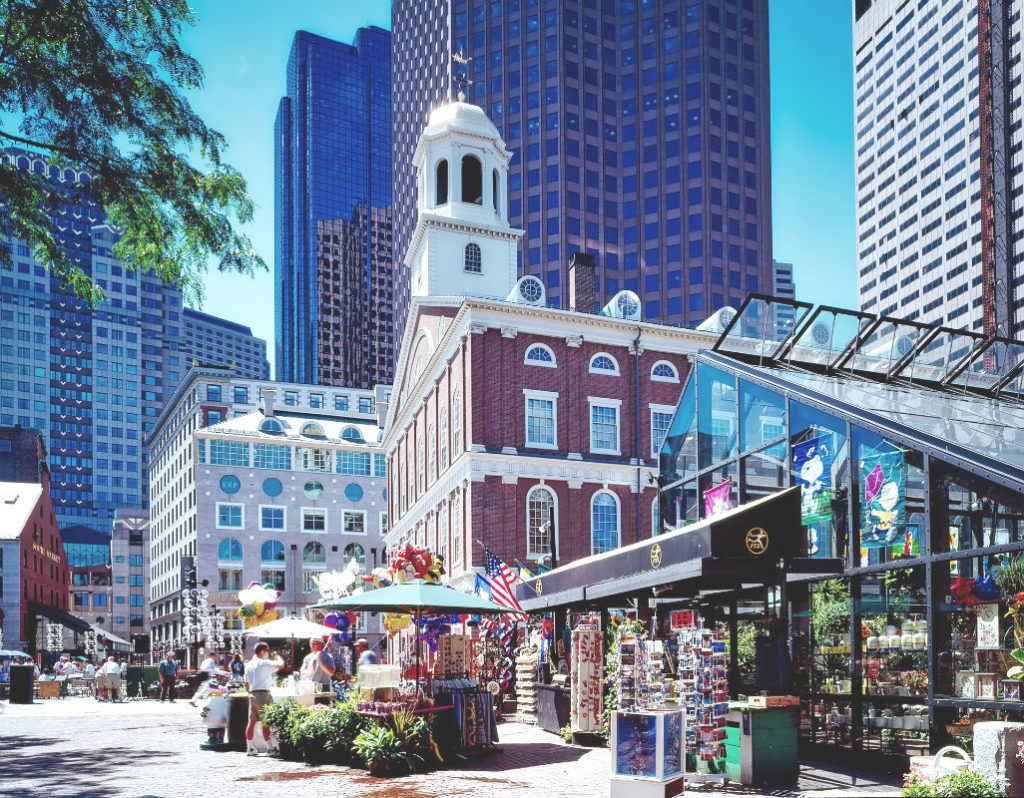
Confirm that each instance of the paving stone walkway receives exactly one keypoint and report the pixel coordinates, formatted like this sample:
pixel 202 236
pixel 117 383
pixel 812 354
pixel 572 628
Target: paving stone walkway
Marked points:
pixel 77 747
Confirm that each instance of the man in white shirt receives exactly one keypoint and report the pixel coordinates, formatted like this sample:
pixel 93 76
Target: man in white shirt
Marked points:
pixel 90 670
pixel 318 666
pixel 110 675
pixel 259 678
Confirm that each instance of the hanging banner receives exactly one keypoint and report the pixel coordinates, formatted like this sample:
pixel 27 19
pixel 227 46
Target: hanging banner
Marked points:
pixel 883 477
pixel 716 500
pixel 812 461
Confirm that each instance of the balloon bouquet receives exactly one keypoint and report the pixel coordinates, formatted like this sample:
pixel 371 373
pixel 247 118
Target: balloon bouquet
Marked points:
pixel 407 564
pixel 334 585
pixel 258 604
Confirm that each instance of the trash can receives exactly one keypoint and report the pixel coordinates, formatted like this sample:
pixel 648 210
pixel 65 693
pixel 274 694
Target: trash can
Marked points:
pixel 133 688
pixel 22 683
pixel 238 720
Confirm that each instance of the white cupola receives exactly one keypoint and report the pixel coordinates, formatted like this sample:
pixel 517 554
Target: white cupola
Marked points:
pixel 463 243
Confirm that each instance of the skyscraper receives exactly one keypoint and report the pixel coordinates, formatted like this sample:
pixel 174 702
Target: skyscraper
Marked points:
pixel 639 133
pixel 220 342
pixel 937 116
pixel 332 166
pixel 784 287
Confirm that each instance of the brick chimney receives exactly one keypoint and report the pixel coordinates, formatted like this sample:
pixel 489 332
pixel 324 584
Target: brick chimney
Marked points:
pixel 582 293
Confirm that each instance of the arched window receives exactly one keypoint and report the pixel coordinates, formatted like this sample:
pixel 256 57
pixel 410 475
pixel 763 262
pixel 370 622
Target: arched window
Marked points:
pixel 604 522
pixel 229 550
pixel 540 355
pixel 456 426
pixel 472 262
pixel 272 551
pixel 271 426
pixel 540 515
pixel 313 553
pixel 663 371
pixel 441 185
pixel 472 180
pixel 603 363
pixel 353 551
pixel 312 430
pixel 494 188
pixel 351 434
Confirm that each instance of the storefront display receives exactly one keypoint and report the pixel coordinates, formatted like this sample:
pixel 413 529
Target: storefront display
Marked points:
pixel 527 663
pixel 586 683
pixel 647 753
pixel 704 693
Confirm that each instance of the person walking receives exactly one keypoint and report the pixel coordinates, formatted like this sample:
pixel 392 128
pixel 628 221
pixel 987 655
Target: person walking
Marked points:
pixel 111 674
pixel 367 656
pixel 237 667
pixel 168 674
pixel 259 676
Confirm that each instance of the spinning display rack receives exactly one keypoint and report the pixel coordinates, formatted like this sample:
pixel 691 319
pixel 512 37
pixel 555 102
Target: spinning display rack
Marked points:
pixel 585 698
pixel 704 694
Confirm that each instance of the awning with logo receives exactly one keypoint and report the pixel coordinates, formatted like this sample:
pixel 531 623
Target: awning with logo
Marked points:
pixel 751 545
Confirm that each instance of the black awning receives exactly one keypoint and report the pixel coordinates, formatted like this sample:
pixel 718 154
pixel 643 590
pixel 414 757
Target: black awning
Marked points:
pixel 61 617
pixel 742 547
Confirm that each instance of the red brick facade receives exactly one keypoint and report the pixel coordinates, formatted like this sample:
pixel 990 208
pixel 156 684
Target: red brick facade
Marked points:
pixel 460 467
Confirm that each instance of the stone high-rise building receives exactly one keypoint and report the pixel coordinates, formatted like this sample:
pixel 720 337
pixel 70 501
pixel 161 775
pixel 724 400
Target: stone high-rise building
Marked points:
pixel 639 133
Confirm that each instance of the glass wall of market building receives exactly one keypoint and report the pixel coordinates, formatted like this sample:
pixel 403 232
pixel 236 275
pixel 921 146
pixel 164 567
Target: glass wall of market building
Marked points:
pixel 907 442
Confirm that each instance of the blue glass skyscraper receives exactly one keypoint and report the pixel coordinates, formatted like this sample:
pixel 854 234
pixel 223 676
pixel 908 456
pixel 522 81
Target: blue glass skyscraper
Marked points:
pixel 332 144
pixel 639 131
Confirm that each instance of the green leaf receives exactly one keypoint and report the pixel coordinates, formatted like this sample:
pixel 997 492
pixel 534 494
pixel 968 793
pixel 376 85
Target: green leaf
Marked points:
pixel 1018 654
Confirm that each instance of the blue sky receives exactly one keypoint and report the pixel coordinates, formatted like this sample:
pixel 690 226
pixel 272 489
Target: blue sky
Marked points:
pixel 243 46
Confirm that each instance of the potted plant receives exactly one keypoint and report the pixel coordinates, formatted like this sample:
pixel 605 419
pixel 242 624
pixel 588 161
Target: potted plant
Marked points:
pixel 1009 575
pixel 383 752
pixel 915 681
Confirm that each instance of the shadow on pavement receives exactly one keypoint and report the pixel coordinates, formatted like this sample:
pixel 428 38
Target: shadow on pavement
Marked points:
pixel 518 755
pixel 77 772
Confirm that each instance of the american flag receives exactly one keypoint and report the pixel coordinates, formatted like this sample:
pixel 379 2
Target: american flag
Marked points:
pixel 502 578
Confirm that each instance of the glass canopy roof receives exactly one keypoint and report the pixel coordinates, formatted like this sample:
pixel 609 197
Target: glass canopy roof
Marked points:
pixel 778 332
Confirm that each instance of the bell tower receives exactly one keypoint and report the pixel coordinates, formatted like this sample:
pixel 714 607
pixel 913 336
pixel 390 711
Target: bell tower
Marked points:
pixel 463 243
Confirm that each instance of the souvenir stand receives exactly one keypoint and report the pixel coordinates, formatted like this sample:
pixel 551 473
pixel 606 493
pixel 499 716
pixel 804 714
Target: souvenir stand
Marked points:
pixel 527 664
pixel 455 683
pixel 647 740
pixel 586 700
pixel 704 694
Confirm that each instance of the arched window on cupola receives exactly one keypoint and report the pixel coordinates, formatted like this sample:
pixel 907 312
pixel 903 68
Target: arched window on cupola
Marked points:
pixel 494 189
pixel 472 180
pixel 472 262
pixel 441 185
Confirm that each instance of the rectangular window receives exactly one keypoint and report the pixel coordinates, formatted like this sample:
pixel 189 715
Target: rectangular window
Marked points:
pixel 229 516
pixel 136 600
pixel 604 425
pixel 541 416
pixel 229 579
pixel 269 455
pixel 316 400
pixel 316 460
pixel 341 403
pixel 212 393
pixel 380 465
pixel 660 421
pixel 354 464
pixel 314 520
pixel 309 581
pixel 272 577
pixel 241 396
pixel 365 404
pixel 229 453
pixel 291 398
pixel 272 518
pixel 354 522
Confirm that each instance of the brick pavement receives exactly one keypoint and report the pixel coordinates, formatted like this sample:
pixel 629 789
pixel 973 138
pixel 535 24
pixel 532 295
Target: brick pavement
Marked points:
pixel 78 747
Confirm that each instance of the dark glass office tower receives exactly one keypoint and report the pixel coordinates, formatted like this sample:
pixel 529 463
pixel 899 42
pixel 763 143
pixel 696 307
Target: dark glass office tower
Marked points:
pixel 332 168
pixel 639 132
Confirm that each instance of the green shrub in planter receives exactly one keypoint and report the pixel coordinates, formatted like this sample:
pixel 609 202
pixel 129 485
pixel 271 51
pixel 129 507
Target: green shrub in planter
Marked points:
pixel 383 752
pixel 279 718
pixel 969 783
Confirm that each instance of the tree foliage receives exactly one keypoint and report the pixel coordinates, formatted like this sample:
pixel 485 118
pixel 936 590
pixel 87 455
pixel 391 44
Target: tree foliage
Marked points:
pixel 99 86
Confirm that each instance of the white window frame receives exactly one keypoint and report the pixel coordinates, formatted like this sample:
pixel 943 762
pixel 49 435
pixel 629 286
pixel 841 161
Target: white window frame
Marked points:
pixel 526 357
pixel 323 510
pixel 659 378
pixel 274 507
pixel 552 396
pixel 618 518
pixel 230 504
pixel 670 410
pixel 354 512
pixel 616 404
pixel 613 373
pixel 382 523
pixel 536 555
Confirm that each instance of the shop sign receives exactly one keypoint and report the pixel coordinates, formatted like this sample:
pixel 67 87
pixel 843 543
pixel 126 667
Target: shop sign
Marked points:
pixel 757 541
pixel 656 555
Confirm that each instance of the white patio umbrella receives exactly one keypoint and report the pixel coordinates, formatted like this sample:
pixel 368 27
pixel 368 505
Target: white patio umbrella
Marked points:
pixel 290 628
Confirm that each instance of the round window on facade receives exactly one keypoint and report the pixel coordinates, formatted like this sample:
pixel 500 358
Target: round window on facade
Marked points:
pixel 353 492
pixel 313 489
pixel 230 484
pixel 272 487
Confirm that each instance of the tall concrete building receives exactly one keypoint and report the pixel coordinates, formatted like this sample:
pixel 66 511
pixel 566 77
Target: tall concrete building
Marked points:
pixel 937 117
pixel 639 133
pixel 332 173
pixel 210 339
